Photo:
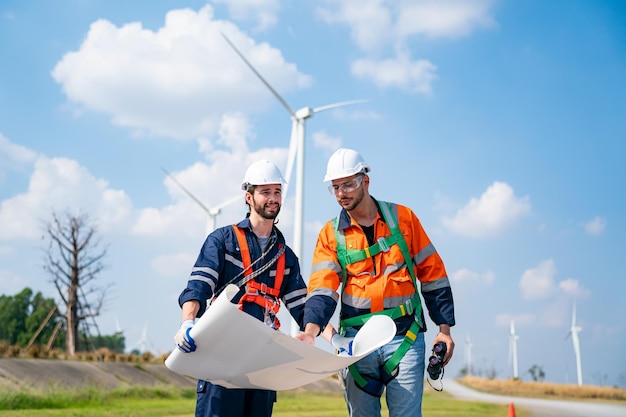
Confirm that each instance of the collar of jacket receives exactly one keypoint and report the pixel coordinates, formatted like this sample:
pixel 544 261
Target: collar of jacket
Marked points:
pixel 245 224
pixel 345 220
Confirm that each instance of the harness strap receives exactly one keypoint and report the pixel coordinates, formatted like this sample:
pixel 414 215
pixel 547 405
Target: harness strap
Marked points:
pixel 382 245
pixel 402 310
pixel 412 306
pixel 258 292
pixel 391 365
pixel 243 248
pixel 358 378
pixel 407 342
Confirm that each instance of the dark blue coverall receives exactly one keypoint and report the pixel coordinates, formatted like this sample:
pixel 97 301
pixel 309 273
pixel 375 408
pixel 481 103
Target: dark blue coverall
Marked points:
pixel 219 263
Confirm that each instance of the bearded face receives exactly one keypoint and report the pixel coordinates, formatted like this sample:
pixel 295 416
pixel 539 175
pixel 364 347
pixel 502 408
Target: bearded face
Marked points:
pixel 266 201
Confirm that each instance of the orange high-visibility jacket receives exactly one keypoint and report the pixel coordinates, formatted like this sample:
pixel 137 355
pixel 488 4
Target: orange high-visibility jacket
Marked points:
pixel 380 282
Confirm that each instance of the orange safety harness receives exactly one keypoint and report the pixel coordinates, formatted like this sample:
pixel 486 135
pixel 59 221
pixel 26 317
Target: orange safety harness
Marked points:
pixel 260 293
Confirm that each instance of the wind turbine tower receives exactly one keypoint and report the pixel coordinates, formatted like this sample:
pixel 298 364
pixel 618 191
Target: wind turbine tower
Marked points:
pixel 468 356
pixel 296 149
pixel 513 349
pixel 574 330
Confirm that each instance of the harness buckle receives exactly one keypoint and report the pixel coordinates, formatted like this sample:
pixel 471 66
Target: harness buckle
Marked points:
pixel 409 306
pixel 383 244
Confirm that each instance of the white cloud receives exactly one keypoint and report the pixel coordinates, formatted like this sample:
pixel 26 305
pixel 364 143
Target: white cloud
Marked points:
pixel 538 282
pixel 378 26
pixel 370 21
pixel 177 81
pixel 496 209
pixel 263 12
pixel 595 226
pixel 14 153
pixel 400 72
pixel 59 184
pixel 235 131
pixel 173 265
pixel 573 288
pixel 376 23
pixel 212 184
pixel 464 275
pixel 443 18
pixel 324 141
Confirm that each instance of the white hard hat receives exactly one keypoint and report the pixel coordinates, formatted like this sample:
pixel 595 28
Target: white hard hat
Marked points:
pixel 262 172
pixel 345 163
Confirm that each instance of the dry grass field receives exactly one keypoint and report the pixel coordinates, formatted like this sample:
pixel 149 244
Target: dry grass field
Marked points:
pixel 544 390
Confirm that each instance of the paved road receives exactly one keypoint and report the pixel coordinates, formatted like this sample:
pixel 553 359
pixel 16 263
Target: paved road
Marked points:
pixel 539 407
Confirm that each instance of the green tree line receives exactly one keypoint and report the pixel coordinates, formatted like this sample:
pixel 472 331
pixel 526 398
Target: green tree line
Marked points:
pixel 23 317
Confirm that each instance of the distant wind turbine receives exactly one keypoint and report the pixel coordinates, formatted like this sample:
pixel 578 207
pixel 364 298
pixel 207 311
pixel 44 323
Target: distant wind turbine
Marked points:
pixel 513 349
pixel 468 356
pixel 296 149
pixel 574 330
pixel 118 328
pixel 142 344
pixel 212 212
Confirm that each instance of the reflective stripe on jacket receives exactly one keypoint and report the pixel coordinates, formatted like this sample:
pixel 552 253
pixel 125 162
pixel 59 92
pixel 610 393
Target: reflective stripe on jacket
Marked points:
pixel 220 263
pixel 379 282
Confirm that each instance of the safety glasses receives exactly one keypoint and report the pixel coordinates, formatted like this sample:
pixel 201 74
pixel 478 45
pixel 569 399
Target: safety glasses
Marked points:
pixel 346 187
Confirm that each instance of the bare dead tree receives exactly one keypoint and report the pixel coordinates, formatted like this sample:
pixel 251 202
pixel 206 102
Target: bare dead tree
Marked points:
pixel 74 260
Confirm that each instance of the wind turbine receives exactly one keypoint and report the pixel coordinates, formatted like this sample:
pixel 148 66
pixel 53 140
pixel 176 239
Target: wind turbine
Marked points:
pixel 118 328
pixel 296 149
pixel 142 343
pixel 513 349
pixel 574 330
pixel 212 212
pixel 468 355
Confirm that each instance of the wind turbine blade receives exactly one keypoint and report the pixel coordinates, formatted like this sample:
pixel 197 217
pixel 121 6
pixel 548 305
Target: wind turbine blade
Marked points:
pixel 227 203
pixel 291 156
pixel 283 102
pixel 339 104
pixel 193 197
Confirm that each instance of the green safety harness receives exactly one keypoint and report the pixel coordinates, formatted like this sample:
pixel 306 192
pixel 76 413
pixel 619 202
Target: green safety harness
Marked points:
pixel 414 305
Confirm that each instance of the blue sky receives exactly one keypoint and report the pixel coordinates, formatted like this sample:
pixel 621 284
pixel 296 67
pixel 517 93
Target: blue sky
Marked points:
pixel 501 123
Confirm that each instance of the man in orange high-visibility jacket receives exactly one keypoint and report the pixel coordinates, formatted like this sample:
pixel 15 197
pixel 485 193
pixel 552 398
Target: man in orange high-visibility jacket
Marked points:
pixel 377 254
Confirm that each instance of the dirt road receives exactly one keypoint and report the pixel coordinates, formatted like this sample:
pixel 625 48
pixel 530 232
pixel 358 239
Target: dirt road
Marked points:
pixel 539 407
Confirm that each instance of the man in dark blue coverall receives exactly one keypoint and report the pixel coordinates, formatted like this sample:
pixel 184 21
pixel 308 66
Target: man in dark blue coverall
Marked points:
pixel 254 256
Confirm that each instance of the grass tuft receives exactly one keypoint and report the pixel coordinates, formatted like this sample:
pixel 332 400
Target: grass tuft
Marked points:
pixel 87 397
